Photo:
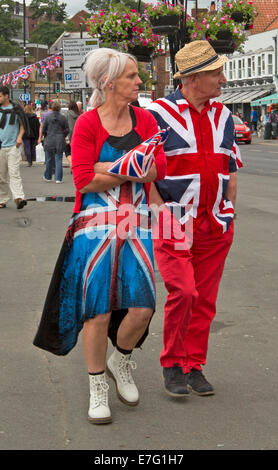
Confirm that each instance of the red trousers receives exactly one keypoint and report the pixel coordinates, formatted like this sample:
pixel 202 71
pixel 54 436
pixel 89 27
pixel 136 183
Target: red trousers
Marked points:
pixel 192 278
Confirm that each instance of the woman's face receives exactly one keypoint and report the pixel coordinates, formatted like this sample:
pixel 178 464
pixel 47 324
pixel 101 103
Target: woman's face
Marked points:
pixel 127 85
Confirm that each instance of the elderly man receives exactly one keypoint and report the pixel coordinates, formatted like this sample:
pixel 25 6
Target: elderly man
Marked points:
pixel 202 160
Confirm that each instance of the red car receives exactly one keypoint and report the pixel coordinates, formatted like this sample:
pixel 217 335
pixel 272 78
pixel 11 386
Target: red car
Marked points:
pixel 243 132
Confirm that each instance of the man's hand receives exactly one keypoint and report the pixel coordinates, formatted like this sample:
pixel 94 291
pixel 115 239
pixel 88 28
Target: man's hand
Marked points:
pixel 19 142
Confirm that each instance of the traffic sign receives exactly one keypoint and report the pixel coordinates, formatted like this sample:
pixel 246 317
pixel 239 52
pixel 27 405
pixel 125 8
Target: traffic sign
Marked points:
pixel 74 52
pixel 25 97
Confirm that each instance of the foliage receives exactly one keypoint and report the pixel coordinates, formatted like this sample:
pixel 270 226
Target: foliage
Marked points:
pixel 209 25
pixel 162 9
pixel 51 9
pixel 47 32
pixel 95 6
pixel 9 48
pixel 246 7
pixel 9 26
pixel 122 28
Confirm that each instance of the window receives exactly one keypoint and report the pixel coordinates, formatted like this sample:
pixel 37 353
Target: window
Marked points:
pixel 230 71
pixel 171 82
pixel 253 66
pixel 249 67
pixel 263 64
pixel 239 69
pixel 270 65
pixel 259 66
pixel 234 70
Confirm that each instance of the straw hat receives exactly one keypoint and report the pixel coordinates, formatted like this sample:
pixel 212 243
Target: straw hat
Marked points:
pixel 197 56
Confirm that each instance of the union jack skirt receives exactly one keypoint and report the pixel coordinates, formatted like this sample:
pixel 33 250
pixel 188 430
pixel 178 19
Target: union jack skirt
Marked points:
pixel 106 264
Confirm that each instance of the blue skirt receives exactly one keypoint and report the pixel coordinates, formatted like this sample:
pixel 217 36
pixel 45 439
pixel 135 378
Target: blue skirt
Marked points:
pixel 106 264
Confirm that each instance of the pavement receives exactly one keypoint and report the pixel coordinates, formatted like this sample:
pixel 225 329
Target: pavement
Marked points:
pixel 44 398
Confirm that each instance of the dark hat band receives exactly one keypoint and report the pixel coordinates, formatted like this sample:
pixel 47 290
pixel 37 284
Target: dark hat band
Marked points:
pixel 201 65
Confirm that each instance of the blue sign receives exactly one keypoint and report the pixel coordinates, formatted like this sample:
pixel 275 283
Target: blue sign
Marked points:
pixel 68 76
pixel 25 97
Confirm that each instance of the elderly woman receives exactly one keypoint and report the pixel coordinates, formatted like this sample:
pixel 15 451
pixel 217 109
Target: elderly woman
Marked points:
pixel 107 269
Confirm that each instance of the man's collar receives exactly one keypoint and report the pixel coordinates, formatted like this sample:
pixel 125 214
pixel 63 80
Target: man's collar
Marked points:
pixel 183 103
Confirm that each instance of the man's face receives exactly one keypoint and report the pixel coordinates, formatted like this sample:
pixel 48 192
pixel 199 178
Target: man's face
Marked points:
pixel 4 99
pixel 209 83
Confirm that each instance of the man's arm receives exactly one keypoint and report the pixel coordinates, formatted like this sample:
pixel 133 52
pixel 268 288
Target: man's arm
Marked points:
pixel 232 188
pixel 19 140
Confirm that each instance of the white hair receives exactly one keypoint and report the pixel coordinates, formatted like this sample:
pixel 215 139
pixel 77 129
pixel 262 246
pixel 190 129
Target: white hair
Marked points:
pixel 101 67
pixel 184 80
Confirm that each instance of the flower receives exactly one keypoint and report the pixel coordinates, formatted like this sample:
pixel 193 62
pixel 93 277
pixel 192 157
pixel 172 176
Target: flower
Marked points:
pixel 122 28
pixel 208 27
pixel 246 7
pixel 162 9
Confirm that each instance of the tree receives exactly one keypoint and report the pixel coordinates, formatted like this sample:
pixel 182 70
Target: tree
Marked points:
pixel 47 32
pixel 96 5
pixel 9 27
pixel 9 48
pixel 50 10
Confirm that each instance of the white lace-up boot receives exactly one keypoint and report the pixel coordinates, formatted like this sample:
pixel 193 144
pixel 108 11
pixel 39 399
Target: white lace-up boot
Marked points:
pixel 99 411
pixel 119 369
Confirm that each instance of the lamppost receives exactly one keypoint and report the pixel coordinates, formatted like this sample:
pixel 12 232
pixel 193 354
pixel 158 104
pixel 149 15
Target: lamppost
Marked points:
pixel 24 39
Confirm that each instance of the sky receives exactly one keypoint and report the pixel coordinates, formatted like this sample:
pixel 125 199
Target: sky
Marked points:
pixel 74 6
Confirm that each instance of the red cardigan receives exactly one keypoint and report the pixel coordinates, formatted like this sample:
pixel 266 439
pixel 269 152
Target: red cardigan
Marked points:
pixel 88 138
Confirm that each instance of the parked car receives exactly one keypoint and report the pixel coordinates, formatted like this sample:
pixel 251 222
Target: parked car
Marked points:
pixel 144 98
pixel 243 132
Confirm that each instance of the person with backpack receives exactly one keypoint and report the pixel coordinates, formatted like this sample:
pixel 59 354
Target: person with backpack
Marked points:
pixel 13 124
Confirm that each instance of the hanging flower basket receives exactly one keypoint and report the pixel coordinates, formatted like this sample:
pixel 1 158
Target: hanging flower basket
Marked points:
pixel 224 34
pixel 165 24
pixel 245 8
pixel 237 16
pixel 123 29
pixel 164 17
pixel 142 53
pixel 222 46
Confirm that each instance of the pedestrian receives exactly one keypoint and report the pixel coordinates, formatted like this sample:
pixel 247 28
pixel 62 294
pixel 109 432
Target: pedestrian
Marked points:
pixel 30 140
pixel 80 107
pixel 212 8
pixel 254 120
pixel 55 129
pixel 106 266
pixel 13 124
pixel 72 115
pixel 202 159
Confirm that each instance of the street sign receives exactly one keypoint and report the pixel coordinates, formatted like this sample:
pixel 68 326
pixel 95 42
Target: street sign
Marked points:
pixel 25 97
pixel 74 52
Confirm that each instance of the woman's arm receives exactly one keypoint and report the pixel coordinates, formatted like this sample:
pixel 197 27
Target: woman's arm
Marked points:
pixel 102 182
pixel 101 168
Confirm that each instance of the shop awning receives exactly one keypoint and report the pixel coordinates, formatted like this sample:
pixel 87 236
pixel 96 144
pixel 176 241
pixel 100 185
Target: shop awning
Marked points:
pixel 235 97
pixel 254 95
pixel 271 99
pixel 224 97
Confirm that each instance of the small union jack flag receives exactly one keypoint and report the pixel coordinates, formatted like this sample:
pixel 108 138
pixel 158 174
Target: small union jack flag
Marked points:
pixel 43 68
pixel 138 161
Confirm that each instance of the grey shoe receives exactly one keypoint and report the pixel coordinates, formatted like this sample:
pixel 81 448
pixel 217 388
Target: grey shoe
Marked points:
pixel 175 381
pixel 197 382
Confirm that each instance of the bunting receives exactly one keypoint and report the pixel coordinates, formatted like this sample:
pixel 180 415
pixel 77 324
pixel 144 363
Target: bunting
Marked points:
pixel 23 73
